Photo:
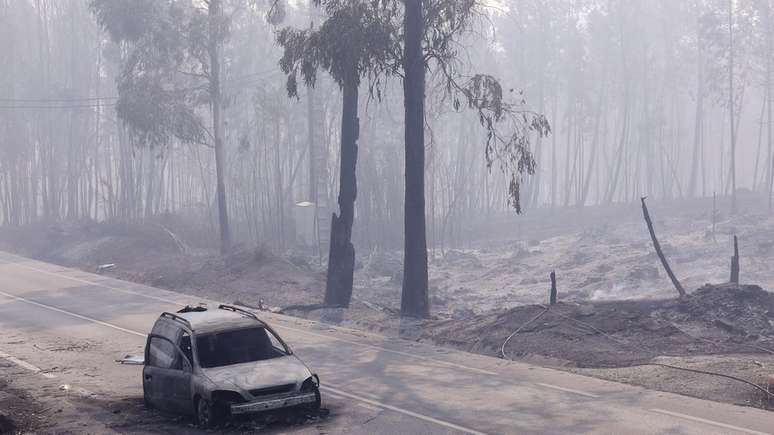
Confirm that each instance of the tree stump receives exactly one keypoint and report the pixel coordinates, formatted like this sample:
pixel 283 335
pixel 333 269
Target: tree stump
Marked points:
pixel 735 263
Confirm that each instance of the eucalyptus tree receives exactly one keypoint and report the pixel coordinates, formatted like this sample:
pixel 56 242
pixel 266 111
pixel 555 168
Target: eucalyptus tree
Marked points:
pixel 432 30
pixel 353 43
pixel 726 27
pixel 171 74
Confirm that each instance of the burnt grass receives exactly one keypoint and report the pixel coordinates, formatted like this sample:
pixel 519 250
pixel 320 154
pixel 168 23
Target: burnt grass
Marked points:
pixel 19 413
pixel 715 319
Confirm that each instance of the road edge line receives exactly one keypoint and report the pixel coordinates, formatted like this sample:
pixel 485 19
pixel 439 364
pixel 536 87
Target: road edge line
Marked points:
pixel 402 411
pixel 705 421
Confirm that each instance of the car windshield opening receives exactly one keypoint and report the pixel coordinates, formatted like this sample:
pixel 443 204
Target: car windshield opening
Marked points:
pixel 235 347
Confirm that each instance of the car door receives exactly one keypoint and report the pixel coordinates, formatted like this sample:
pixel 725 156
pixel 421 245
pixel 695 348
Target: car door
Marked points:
pixel 167 376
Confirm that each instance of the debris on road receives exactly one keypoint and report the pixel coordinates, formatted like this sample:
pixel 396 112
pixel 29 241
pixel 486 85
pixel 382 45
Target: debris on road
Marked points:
pixel 105 267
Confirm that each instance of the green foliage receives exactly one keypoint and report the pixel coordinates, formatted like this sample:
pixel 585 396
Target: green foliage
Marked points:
pixel 510 150
pixel 355 41
pixel 163 89
pixel 367 36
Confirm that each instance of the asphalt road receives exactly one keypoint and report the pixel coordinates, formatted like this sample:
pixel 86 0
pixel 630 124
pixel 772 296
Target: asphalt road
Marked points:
pixel 65 326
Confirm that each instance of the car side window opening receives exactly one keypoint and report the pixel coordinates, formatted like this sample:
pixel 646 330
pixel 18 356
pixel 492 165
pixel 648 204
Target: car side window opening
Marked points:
pixel 236 347
pixel 162 354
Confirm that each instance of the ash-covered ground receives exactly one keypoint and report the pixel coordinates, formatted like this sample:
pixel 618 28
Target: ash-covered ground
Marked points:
pixel 618 312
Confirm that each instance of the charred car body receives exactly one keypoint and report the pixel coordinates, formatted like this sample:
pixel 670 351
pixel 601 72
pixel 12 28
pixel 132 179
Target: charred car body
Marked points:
pixel 216 363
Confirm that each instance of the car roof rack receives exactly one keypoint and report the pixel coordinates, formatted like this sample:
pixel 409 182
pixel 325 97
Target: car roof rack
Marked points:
pixel 241 311
pixel 177 318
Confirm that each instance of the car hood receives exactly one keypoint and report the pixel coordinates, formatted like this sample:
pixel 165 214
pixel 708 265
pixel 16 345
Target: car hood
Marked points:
pixel 260 374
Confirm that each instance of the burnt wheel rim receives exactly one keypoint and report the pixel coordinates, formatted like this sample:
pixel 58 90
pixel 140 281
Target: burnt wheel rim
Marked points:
pixel 204 413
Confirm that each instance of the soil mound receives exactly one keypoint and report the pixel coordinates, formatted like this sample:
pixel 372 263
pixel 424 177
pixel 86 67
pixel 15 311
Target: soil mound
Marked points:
pixel 720 319
pixel 745 310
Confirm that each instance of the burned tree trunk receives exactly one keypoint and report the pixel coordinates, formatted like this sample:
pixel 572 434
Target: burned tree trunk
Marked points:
pixel 415 300
pixel 735 263
pixel 341 258
pixel 659 252
pixel 217 123
pixel 552 298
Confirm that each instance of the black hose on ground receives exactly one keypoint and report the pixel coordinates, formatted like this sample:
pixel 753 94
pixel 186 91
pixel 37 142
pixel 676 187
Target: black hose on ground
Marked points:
pixel 599 331
pixel 502 348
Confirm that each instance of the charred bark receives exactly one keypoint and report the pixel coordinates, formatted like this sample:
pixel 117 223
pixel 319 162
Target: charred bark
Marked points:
pixel 414 299
pixel 341 258
pixel 659 252
pixel 735 263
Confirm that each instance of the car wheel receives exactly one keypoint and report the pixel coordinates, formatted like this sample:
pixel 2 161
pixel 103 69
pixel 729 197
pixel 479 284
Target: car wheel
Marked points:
pixel 206 416
pixel 145 399
pixel 314 407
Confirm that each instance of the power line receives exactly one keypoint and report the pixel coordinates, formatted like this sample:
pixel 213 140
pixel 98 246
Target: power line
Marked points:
pixel 54 100
pixel 241 81
pixel 238 82
pixel 70 106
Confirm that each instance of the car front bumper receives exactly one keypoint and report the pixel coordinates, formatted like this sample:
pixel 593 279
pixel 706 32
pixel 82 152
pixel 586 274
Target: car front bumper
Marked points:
pixel 275 402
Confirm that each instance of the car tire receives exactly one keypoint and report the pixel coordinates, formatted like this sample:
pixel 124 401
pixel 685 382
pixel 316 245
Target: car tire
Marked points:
pixel 208 414
pixel 315 406
pixel 204 414
pixel 146 400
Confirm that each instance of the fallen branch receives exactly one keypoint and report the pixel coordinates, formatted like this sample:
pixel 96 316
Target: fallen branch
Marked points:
pixel 181 246
pixel 659 252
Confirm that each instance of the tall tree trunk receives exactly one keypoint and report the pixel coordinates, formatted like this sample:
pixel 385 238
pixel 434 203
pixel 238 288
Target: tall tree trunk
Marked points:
pixel 217 121
pixel 341 257
pixel 699 121
pixel 311 118
pixel 769 157
pixel 594 146
pixel 149 212
pixel 415 301
pixel 731 102
pixel 554 171
pixel 613 182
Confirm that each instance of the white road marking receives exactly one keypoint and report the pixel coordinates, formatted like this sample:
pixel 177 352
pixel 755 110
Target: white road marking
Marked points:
pixel 568 390
pixel 369 407
pixel 26 365
pixel 335 391
pixel 59 310
pixel 403 411
pixel 332 396
pixel 370 395
pixel 312 334
pixel 709 422
pixel 83 281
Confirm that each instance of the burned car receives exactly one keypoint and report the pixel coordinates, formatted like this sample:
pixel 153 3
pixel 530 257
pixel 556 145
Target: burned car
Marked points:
pixel 216 363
